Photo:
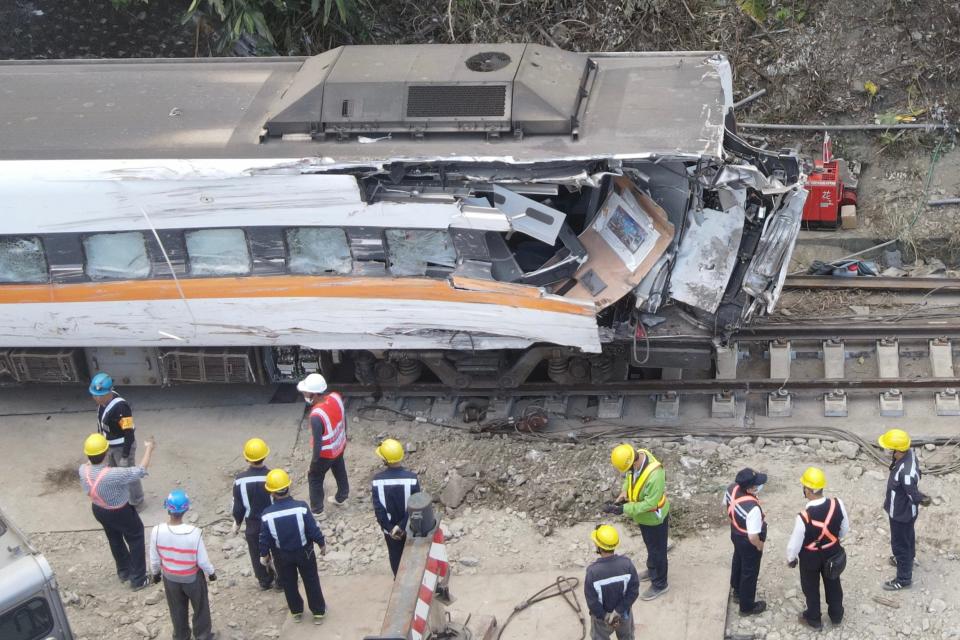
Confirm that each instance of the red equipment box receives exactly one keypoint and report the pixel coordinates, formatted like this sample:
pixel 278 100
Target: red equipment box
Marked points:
pixel 826 190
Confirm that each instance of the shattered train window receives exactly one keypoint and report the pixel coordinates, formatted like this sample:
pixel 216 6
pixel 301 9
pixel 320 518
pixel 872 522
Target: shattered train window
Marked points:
pixel 316 250
pixel 218 252
pixel 116 256
pixel 412 251
pixel 22 260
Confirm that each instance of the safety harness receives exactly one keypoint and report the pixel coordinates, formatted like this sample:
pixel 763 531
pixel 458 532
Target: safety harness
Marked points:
pixel 825 532
pixel 735 502
pixel 634 488
pixel 94 483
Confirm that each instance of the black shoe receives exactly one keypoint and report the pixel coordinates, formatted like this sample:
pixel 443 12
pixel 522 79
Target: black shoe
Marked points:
pixel 802 619
pixel 265 586
pixel 136 586
pixel 758 607
pixel 124 576
pixel 895 585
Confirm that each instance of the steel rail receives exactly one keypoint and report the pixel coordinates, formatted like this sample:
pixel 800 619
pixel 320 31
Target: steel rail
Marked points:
pixel 646 387
pixel 873 283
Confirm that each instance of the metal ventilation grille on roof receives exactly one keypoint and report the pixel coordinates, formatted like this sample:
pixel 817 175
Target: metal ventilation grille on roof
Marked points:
pixel 452 101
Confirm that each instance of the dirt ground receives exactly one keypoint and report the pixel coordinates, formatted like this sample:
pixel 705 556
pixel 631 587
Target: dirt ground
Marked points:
pixel 530 508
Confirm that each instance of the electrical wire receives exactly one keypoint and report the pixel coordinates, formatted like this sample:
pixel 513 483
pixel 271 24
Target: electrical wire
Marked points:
pixel 565 588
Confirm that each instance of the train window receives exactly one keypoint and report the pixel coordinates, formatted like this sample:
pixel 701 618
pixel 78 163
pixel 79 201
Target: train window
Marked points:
pixel 22 260
pixel 29 621
pixel 116 256
pixel 412 251
pixel 316 250
pixel 218 252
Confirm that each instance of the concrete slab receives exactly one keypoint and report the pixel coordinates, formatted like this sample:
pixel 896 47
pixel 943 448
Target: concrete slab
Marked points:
pixel 693 609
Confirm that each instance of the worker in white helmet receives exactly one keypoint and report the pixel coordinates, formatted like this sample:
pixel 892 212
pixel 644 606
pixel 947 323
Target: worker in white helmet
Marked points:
pixel 328 440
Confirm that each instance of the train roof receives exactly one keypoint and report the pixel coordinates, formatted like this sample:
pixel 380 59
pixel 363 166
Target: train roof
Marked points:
pixel 370 104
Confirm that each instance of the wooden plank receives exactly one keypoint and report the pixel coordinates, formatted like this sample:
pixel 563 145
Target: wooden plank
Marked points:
pixel 873 283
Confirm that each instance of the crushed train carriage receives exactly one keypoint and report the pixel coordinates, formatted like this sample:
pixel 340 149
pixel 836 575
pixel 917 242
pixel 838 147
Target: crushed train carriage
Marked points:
pixel 469 213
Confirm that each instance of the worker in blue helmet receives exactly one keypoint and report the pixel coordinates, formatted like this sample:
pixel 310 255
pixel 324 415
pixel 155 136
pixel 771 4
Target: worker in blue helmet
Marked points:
pixel 179 558
pixel 115 422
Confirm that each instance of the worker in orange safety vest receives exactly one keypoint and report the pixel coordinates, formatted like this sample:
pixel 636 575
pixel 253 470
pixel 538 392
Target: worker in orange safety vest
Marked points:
pixel 748 531
pixel 328 440
pixel 815 546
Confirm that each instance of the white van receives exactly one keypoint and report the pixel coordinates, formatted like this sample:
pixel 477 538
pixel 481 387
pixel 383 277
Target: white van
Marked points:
pixel 30 604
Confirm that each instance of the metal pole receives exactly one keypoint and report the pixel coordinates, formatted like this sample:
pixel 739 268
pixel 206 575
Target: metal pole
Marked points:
pixel 750 98
pixel 942 202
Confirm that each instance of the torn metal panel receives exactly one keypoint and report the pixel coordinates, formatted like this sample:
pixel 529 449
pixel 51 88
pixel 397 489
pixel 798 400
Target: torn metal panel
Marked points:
pixel 529 216
pixel 707 254
pixel 768 269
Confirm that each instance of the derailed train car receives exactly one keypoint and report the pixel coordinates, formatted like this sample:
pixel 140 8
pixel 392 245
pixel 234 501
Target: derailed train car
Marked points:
pixel 473 214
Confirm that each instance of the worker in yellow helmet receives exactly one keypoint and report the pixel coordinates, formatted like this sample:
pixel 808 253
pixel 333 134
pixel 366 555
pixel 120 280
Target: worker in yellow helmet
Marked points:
pixel 643 499
pixel 288 533
pixel 815 546
pixel 610 588
pixel 901 502
pixel 392 488
pixel 250 498
pixel 109 490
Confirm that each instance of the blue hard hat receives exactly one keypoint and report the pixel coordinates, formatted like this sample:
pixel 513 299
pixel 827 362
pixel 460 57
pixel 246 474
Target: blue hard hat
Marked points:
pixel 177 502
pixel 101 385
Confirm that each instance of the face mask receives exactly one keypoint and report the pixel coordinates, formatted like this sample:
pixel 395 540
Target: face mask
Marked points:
pixel 759 488
pixel 308 399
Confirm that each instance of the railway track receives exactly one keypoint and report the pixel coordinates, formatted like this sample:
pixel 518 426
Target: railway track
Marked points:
pixel 895 364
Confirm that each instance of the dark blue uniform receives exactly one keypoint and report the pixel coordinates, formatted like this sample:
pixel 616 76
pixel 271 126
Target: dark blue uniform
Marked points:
pixel 901 504
pixel 288 531
pixel 391 489
pixel 250 498
pixel 611 584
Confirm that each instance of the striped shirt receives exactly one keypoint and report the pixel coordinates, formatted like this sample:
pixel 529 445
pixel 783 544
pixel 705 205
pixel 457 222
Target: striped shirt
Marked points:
pixel 178 551
pixel 112 483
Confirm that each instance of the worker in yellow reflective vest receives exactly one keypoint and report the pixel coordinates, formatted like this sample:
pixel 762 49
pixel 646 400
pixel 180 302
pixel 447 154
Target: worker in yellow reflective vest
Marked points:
pixel 644 500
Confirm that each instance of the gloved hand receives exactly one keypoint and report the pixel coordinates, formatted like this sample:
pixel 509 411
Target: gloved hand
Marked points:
pixel 265 560
pixel 396 533
pixel 212 577
pixel 156 578
pixel 612 619
pixel 925 500
pixel 234 528
pixel 612 508
pixel 622 497
pixel 792 564
pixel 323 550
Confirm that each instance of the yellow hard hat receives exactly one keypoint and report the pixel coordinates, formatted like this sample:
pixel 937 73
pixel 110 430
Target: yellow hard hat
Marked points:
pixel 813 478
pixel 255 450
pixel 95 444
pixel 277 480
pixel 605 537
pixel 896 439
pixel 390 451
pixel 622 457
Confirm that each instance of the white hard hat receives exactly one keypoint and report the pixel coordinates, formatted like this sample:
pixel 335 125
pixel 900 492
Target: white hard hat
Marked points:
pixel 313 383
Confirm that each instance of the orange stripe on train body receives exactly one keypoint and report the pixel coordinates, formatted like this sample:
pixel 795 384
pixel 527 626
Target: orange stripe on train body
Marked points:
pixel 464 290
